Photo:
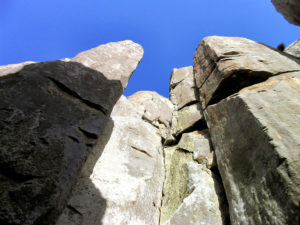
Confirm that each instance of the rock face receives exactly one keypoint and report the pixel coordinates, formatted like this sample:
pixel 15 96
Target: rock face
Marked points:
pixel 294 49
pixel 290 9
pixel 226 146
pixel 203 204
pixel 52 115
pixel 224 65
pixel 253 126
pixel 129 175
pixel 182 87
pixel 176 182
pixel 259 158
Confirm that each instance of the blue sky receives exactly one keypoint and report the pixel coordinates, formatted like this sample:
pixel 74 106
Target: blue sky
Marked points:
pixel 168 30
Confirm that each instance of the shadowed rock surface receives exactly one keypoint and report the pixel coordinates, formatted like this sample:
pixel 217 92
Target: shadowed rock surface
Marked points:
pixel 256 138
pixel 224 65
pixel 51 116
pixel 290 9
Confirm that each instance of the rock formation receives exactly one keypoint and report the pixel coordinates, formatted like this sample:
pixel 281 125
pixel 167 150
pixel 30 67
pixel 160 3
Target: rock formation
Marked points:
pixel 224 149
pixel 52 115
pixel 290 9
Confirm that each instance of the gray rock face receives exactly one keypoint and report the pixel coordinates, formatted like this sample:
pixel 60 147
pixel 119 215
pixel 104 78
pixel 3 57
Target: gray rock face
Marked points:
pixel 51 116
pixel 184 119
pixel 224 65
pixel 256 137
pixel 129 175
pixel 290 9
pixel 198 142
pixel 183 90
pixel 157 109
pixel 294 49
pixel 205 203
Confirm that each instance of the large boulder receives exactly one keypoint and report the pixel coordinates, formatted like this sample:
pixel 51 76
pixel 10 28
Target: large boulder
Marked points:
pixel 256 136
pixel 224 65
pixel 290 9
pixel 123 185
pixel 51 116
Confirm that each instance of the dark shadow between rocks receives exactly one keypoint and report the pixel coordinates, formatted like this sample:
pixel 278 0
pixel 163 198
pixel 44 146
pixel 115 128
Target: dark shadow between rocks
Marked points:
pixel 52 115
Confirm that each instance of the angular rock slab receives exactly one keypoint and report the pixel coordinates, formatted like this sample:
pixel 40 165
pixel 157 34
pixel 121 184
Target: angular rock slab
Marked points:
pixel 205 204
pixel 157 109
pixel 294 49
pixel 256 135
pixel 198 142
pixel 290 9
pixel 183 90
pixel 117 60
pixel 186 118
pixel 224 65
pixel 51 115
pixel 176 181
pixel 124 185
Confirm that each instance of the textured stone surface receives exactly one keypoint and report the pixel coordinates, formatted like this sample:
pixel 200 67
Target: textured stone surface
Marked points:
pixel 224 65
pixel 116 60
pixel 129 176
pixel 290 9
pixel 205 204
pixel 256 136
pixel 198 142
pixel 51 115
pixel 176 181
pixel 294 49
pixel 156 107
pixel 183 90
pixel 184 119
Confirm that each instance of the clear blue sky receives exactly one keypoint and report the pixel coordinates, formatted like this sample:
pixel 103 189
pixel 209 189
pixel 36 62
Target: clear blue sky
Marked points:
pixel 169 30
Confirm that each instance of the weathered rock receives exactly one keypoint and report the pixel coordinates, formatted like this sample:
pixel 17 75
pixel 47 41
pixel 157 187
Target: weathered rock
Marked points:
pixel 294 49
pixel 183 90
pixel 205 204
pixel 156 107
pixel 186 118
pixel 256 136
pixel 224 65
pixel 290 9
pixel 176 181
pixel 116 60
pixel 51 115
pixel 198 142
pixel 128 176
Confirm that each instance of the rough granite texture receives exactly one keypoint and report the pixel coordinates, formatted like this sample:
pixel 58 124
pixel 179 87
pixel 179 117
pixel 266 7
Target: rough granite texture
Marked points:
pixel 224 65
pixel 205 204
pixel 256 136
pixel 176 181
pixel 124 184
pixel 51 116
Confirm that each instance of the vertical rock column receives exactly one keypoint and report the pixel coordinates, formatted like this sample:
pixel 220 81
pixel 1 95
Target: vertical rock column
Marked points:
pixel 250 95
pixel 192 193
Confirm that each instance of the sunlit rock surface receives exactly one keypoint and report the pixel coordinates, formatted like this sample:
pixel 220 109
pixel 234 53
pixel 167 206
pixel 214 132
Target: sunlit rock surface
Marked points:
pixel 124 185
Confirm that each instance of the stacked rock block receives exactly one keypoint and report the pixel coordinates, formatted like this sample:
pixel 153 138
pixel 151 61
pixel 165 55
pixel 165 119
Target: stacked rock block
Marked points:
pixel 251 101
pixel 192 192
